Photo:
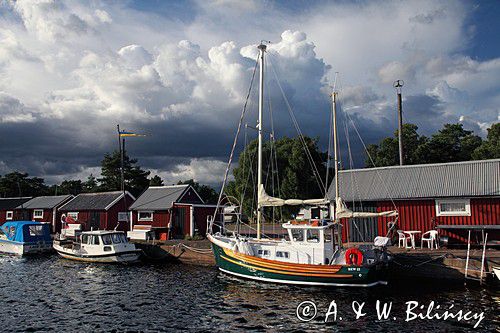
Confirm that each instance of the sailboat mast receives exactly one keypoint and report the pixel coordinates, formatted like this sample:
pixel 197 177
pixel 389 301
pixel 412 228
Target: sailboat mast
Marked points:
pixel 335 145
pixel 336 159
pixel 262 49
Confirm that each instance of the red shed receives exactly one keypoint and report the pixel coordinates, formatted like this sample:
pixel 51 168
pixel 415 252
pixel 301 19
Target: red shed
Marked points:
pixel 44 209
pixel 181 204
pixel 426 195
pixel 8 209
pixel 104 211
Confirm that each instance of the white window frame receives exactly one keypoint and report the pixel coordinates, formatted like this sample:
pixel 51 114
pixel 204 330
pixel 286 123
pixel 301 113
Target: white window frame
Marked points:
pixel 11 213
pixel 147 219
pixel 74 215
pixel 123 219
pixel 37 216
pixel 466 202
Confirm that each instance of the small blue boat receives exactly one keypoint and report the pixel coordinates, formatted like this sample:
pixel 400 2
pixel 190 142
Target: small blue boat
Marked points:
pixel 25 237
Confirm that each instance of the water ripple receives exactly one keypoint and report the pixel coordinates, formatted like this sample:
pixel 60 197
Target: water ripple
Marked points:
pixel 53 294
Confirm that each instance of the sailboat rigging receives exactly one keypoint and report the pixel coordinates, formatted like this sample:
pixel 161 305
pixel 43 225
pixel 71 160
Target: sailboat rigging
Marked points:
pixel 312 253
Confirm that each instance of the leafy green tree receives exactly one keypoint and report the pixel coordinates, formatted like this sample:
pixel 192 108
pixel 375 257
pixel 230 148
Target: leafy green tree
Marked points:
pixel 451 144
pixel 287 167
pixel 136 180
pixel 16 184
pixel 69 187
pixel 90 185
pixel 156 181
pixel 207 193
pixel 387 151
pixel 490 148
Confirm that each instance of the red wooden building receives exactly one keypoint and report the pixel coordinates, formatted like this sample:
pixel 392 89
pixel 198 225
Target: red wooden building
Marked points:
pixel 104 211
pixel 8 209
pixel 426 196
pixel 181 204
pixel 43 209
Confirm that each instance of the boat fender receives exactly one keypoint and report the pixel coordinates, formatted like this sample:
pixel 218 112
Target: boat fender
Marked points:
pixel 354 256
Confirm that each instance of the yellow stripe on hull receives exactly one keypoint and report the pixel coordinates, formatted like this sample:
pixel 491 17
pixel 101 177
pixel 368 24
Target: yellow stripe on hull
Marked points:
pixel 287 272
pixel 274 264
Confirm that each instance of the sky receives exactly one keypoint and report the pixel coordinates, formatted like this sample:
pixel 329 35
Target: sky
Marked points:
pixel 179 72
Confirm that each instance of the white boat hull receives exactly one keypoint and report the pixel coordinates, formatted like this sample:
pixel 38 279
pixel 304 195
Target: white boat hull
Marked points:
pixel 21 249
pixel 115 257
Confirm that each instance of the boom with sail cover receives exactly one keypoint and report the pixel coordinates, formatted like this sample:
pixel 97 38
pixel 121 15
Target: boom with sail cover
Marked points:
pixel 342 212
pixel 265 200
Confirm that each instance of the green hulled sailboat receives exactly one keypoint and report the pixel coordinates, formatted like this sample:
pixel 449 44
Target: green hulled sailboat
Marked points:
pixel 312 252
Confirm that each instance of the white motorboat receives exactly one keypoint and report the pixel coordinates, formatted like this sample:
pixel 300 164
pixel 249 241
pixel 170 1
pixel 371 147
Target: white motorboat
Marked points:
pixel 98 246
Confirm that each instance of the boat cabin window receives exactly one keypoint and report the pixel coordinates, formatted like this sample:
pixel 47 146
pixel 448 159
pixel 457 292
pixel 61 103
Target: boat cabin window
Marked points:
pixel 35 230
pixel 85 239
pixel 282 254
pixel 264 253
pixel 298 235
pixel 328 235
pixel 118 238
pixel 10 215
pixel 313 236
pixel 94 240
pixel 106 239
pixel 12 232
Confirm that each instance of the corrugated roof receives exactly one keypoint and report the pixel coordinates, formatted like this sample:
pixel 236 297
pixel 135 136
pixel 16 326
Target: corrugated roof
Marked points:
pixel 12 203
pixel 458 179
pixel 92 201
pixel 45 202
pixel 159 197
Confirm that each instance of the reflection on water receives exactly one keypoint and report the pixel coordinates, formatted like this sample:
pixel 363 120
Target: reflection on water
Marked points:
pixel 50 293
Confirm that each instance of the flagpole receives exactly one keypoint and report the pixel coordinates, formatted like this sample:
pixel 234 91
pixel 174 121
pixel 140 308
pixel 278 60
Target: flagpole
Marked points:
pixel 122 181
pixel 121 146
pixel 129 223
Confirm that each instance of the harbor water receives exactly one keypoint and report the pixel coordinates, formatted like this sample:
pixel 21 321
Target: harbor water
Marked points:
pixel 48 293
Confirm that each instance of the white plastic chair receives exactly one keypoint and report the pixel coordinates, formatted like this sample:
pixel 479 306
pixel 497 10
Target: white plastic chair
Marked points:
pixel 403 238
pixel 431 239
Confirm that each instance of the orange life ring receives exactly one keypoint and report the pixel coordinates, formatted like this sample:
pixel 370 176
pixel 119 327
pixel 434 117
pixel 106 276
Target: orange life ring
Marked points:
pixel 354 256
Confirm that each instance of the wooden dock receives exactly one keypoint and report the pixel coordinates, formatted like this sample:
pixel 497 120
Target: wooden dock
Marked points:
pixel 443 264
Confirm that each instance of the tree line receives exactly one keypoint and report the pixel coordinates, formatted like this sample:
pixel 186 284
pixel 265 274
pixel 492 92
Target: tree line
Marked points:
pixel 136 180
pixel 287 171
pixel 452 143
pixel 292 176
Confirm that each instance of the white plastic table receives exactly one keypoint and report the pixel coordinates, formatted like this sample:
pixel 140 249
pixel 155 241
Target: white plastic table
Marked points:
pixel 412 233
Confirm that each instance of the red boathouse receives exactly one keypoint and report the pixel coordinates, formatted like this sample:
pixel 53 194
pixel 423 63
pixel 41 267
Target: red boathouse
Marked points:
pixel 8 209
pixel 181 204
pixel 43 209
pixel 104 211
pixel 426 195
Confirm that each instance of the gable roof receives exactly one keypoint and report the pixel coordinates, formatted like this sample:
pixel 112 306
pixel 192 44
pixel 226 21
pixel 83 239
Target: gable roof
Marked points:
pixel 45 202
pixel 457 179
pixel 161 197
pixel 12 203
pixel 94 201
